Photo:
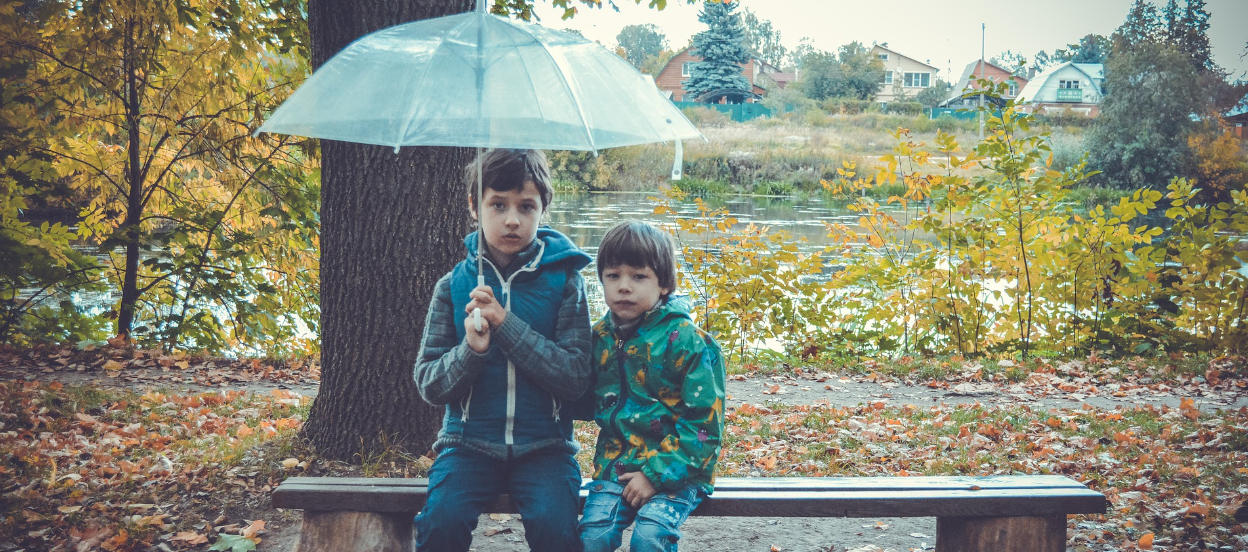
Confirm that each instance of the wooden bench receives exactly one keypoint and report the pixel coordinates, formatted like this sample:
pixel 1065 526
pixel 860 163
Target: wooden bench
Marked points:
pixel 1015 512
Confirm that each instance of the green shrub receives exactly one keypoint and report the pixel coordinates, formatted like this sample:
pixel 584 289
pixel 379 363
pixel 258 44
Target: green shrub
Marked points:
pixel 905 108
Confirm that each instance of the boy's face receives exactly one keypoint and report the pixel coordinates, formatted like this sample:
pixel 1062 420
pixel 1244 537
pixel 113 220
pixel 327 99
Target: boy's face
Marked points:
pixel 631 291
pixel 509 221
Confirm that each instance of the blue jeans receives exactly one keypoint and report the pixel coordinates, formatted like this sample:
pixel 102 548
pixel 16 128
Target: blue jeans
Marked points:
pixel 658 520
pixel 544 486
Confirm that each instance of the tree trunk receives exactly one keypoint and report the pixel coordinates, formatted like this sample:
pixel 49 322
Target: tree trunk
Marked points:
pixel 391 225
pixel 134 195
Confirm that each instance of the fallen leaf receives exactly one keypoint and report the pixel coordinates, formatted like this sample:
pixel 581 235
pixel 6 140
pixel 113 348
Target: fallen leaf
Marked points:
pixel 1146 541
pixel 190 537
pixel 255 527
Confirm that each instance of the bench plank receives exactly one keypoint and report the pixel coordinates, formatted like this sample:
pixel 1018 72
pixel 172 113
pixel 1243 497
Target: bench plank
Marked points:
pixel 784 483
pixel 794 497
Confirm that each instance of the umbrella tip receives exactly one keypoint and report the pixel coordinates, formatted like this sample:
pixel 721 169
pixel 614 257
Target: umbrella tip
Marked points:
pixel 396 149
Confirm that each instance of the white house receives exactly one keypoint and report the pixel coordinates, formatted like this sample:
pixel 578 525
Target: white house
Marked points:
pixel 1070 86
pixel 904 77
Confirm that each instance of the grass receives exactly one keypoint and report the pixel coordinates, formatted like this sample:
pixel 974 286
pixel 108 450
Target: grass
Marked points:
pixel 787 155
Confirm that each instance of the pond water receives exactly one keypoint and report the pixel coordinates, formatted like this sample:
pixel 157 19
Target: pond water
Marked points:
pixel 585 217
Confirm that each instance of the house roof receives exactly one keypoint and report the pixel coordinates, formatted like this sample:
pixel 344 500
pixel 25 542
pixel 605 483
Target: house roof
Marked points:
pixel 1094 71
pixel 783 76
pixel 965 79
pixel 891 51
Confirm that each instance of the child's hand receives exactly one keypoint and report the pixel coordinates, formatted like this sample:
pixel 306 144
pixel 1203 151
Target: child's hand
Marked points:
pixel 477 341
pixel 637 489
pixel 483 297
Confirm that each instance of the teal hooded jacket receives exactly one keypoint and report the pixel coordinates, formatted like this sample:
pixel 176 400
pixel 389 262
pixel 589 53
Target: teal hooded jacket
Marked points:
pixel 658 399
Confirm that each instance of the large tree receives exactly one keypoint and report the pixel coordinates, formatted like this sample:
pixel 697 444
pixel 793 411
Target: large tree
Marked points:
pixel 391 225
pixel 1160 89
pixel 722 49
pixel 1152 97
pixel 640 43
pixel 1092 48
pixel 852 72
pixel 763 39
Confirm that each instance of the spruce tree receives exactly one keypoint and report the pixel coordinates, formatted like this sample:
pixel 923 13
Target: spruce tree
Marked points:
pixel 1142 25
pixel 1193 37
pixel 722 49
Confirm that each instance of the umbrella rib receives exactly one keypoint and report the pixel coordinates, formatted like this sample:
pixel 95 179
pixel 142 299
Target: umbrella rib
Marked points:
pixel 580 111
pixel 411 114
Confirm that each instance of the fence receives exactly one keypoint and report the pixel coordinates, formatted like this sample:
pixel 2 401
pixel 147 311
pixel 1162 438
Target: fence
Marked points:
pixel 738 112
pixel 963 113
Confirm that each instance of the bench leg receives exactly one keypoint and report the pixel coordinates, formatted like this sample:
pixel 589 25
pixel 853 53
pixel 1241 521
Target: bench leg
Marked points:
pixel 355 532
pixel 981 534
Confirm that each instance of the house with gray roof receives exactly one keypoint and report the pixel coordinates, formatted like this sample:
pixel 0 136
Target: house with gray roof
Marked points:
pixel 1065 88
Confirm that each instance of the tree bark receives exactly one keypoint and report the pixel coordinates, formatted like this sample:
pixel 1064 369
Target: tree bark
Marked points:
pixel 134 177
pixel 391 225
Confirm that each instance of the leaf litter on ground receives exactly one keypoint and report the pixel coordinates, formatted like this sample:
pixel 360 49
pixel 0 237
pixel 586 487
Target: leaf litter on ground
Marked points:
pixel 122 469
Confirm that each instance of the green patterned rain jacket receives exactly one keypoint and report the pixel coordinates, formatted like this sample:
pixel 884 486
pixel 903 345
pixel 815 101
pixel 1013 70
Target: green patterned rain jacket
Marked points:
pixel 659 399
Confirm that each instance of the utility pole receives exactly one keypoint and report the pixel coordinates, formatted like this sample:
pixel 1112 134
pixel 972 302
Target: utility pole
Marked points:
pixel 982 31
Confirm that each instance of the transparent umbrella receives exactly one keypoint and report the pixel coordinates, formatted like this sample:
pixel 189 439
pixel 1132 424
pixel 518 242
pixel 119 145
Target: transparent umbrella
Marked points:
pixel 479 80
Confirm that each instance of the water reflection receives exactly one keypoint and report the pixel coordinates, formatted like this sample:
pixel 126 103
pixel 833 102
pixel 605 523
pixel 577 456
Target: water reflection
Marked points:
pixel 585 217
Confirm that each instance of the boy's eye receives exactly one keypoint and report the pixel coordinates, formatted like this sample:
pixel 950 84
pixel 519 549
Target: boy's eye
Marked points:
pixel 640 276
pixel 610 276
pixel 528 207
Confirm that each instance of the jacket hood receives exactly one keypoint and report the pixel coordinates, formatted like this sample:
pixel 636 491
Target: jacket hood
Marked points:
pixel 553 246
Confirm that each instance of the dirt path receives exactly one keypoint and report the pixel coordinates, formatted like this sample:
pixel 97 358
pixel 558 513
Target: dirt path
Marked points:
pixel 824 388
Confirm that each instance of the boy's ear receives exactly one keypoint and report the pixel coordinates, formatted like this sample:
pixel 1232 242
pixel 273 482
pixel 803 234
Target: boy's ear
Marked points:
pixel 472 208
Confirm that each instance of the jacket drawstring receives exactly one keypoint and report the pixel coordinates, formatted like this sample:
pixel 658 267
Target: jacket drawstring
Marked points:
pixel 555 408
pixel 463 405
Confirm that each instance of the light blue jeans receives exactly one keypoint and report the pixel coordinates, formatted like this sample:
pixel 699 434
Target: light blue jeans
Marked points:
pixel 606 516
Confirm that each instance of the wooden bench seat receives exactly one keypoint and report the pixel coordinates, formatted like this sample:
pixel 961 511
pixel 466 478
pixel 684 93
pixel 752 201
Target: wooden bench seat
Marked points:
pixel 1016 512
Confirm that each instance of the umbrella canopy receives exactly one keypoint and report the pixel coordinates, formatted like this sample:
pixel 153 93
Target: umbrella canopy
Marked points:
pixel 475 79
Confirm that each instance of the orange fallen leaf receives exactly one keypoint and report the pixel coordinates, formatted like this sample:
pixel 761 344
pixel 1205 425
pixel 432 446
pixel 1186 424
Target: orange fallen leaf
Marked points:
pixel 190 537
pixel 1146 541
pixel 255 527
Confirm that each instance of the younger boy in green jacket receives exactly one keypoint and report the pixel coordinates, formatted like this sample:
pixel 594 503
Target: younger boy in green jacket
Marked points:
pixel 658 398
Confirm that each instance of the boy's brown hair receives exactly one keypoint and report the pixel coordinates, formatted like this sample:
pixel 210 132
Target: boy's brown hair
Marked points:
pixel 508 169
pixel 639 245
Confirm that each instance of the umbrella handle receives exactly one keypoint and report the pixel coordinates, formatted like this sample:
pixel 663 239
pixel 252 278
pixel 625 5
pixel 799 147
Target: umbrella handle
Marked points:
pixel 476 319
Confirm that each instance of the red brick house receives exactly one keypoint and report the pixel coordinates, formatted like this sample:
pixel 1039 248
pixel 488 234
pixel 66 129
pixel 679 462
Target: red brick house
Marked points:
pixel 969 81
pixel 760 74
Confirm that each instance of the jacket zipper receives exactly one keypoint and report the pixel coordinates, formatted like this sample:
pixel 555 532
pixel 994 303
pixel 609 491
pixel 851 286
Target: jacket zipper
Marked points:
pixel 619 405
pixel 509 431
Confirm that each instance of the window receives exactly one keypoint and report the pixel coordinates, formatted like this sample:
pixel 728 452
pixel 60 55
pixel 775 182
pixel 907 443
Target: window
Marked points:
pixel 917 80
pixel 686 68
pixel 1068 84
pixel 1013 88
pixel 883 57
pixel 888 78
